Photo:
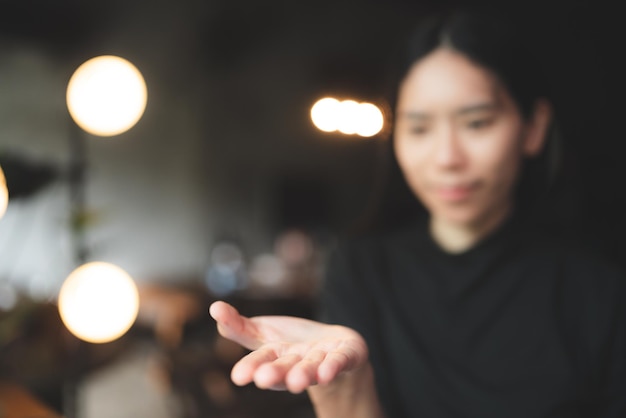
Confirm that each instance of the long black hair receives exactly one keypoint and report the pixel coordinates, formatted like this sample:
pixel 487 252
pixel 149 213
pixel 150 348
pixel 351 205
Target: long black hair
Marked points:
pixel 501 47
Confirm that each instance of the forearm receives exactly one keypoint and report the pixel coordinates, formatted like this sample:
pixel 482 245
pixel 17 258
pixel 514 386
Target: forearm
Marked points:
pixel 350 395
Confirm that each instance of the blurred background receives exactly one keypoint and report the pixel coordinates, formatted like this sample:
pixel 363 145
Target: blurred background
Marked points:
pixel 225 188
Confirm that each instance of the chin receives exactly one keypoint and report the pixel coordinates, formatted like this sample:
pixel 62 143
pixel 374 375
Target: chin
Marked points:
pixel 461 216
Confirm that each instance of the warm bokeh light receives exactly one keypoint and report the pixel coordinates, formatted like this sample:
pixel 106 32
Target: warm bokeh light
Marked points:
pixel 371 120
pixel 106 95
pixel 347 116
pixel 98 302
pixel 4 194
pixel 324 114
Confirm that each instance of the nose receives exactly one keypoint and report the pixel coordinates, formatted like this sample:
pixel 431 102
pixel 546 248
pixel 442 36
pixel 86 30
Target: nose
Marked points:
pixel 449 151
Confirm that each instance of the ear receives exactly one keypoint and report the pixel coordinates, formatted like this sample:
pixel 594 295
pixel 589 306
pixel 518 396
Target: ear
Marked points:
pixel 537 128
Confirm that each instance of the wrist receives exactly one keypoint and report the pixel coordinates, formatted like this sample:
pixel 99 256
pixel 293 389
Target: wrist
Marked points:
pixel 350 394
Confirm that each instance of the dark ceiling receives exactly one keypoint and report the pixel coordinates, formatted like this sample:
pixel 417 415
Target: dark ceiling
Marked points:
pixel 348 41
pixel 224 31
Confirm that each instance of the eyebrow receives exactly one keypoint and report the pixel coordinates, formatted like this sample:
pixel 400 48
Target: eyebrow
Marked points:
pixel 480 107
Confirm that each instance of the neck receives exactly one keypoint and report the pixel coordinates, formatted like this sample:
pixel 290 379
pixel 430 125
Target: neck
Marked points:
pixel 457 237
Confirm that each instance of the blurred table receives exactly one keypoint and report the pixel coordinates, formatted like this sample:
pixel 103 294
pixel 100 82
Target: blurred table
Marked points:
pixel 17 402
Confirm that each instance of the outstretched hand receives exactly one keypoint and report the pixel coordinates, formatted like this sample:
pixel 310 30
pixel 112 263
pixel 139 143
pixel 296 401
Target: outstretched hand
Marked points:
pixel 289 353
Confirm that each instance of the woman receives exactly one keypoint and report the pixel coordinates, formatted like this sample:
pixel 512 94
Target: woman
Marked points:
pixel 468 311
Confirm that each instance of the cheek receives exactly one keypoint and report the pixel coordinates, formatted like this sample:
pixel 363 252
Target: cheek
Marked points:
pixel 400 154
pixel 412 165
pixel 409 159
pixel 502 164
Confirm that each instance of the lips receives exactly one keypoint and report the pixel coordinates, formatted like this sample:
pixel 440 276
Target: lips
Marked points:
pixel 454 193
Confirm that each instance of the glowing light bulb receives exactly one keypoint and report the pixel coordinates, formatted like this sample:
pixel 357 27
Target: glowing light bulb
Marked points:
pixel 370 120
pixel 349 119
pixel 106 95
pixel 98 302
pixel 325 113
pixel 4 194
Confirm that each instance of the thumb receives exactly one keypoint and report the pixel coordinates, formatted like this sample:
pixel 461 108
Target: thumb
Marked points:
pixel 234 326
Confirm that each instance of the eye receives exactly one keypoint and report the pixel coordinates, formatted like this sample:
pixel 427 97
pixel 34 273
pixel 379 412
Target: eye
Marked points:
pixel 418 130
pixel 478 124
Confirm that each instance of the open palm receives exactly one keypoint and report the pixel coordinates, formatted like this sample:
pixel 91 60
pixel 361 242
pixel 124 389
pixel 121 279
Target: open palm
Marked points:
pixel 289 353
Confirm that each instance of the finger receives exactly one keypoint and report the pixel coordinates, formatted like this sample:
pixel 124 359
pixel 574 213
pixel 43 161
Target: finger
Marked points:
pixel 243 372
pixel 334 363
pixel 304 374
pixel 234 326
pixel 272 375
pixel 226 314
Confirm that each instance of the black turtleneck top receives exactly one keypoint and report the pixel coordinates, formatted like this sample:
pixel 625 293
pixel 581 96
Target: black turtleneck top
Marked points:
pixel 520 325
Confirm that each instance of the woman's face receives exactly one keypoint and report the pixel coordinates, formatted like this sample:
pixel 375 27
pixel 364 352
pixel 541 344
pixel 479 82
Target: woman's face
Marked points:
pixel 460 139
